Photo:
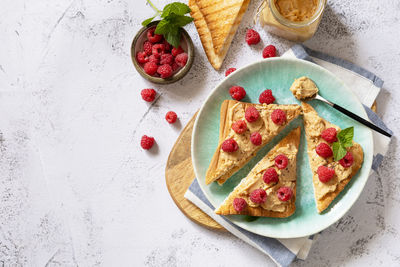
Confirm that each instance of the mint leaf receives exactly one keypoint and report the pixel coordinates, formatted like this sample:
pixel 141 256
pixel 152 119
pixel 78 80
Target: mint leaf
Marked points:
pixel 179 20
pixel 345 137
pixel 173 37
pixel 163 27
pixel 338 151
pixel 176 8
pixel 147 21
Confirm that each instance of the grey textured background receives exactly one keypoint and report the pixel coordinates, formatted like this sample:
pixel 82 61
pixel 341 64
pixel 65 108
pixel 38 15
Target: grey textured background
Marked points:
pixel 75 187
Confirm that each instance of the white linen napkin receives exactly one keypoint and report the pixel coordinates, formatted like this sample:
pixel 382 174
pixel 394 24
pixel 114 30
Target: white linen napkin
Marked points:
pixel 366 86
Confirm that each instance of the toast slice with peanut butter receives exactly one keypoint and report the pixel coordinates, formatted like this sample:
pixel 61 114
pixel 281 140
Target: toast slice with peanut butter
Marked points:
pixel 258 125
pixel 269 190
pixel 330 177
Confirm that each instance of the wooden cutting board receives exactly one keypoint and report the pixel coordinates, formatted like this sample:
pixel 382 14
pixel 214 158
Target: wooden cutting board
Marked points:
pixel 179 175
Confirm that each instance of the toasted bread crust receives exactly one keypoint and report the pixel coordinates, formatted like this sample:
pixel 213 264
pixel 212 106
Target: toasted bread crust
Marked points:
pixel 227 208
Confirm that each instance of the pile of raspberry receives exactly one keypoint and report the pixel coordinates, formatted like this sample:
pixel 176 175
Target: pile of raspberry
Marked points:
pixel 159 58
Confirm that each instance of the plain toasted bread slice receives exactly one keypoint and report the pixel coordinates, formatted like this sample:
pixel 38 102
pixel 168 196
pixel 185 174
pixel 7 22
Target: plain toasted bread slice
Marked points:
pixel 223 165
pixel 287 177
pixel 325 193
pixel 216 23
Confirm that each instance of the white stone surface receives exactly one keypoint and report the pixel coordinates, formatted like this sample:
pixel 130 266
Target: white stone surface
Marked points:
pixel 76 188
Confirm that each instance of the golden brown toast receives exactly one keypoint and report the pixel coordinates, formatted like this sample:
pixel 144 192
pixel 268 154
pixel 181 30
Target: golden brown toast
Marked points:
pixel 287 177
pixel 216 23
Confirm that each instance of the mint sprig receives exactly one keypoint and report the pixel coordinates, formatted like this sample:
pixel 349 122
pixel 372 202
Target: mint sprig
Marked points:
pixel 345 139
pixel 173 18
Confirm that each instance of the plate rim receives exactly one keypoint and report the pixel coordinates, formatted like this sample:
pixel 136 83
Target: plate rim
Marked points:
pixel 243 225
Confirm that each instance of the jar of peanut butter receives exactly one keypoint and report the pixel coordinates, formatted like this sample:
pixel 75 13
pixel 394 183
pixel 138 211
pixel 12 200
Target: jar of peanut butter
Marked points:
pixel 295 20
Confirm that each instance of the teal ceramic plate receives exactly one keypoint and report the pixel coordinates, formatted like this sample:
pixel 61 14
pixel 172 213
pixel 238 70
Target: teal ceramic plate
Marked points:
pixel 278 74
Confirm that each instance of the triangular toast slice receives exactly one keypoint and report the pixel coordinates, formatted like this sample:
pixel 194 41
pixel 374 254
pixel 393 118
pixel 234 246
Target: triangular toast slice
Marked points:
pixel 224 164
pixel 326 192
pixel 216 23
pixel 273 205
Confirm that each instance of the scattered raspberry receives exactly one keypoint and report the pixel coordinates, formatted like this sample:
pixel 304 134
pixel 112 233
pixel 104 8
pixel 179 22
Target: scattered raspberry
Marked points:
pixel 166 59
pixel 269 51
pixel 284 193
pixel 176 51
pixel 256 138
pixel 281 161
pixel 142 57
pixel 329 135
pixel 167 46
pixel 181 59
pixel 150 68
pixel 324 150
pixel 148 95
pixel 229 145
pixel 251 114
pixel 157 50
pixel 252 37
pixel 171 117
pixel 237 92
pixel 146 142
pixel 239 126
pixel 174 66
pixel 325 174
pixel 258 196
pixel 153 38
pixel 278 116
pixel 147 48
pixel 239 204
pixel 347 160
pixel 153 58
pixel 266 97
pixel 270 176
pixel 229 71
pixel 165 71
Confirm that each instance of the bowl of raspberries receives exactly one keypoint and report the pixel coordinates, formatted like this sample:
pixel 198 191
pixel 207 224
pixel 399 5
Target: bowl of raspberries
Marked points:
pixel 157 60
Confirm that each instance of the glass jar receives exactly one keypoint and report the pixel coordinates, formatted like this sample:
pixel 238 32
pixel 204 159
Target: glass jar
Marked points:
pixel 291 29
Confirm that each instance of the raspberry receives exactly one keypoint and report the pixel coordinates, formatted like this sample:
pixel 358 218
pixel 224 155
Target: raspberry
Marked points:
pixel 324 150
pixel 147 48
pixel 229 71
pixel 266 97
pixel 165 71
pixel 258 196
pixel 251 114
pixel 329 135
pixel 269 51
pixel 142 57
pixel 239 204
pixel 174 66
pixel 270 176
pixel 153 38
pixel 278 116
pixel 325 174
pixel 148 95
pixel 284 193
pixel 153 58
pixel 146 142
pixel 171 117
pixel 157 50
pixel 181 59
pixel 256 138
pixel 150 68
pixel 229 145
pixel 252 37
pixel 176 51
pixel 167 46
pixel 239 126
pixel 237 92
pixel 347 160
pixel 166 59
pixel 281 161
